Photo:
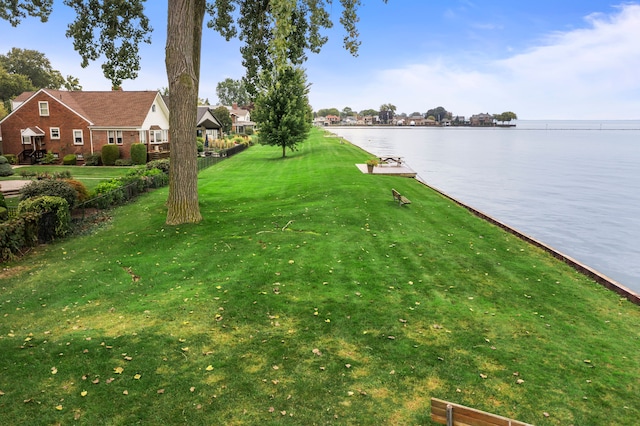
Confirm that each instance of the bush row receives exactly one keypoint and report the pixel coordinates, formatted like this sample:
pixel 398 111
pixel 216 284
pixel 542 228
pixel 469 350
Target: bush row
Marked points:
pixel 44 209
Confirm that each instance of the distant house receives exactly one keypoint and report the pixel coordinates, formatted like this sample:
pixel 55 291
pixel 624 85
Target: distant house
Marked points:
pixel 320 121
pixel 482 119
pixel 208 127
pixel 81 123
pixel 332 120
pixel 241 119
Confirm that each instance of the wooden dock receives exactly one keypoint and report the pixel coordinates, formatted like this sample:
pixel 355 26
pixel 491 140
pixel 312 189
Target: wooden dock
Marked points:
pixel 389 170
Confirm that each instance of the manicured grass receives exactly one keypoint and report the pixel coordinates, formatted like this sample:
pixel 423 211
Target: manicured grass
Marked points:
pixel 89 175
pixel 308 296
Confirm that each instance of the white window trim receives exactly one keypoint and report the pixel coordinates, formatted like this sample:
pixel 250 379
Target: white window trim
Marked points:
pixel 81 137
pixel 143 136
pixel 115 137
pixel 51 130
pixel 44 112
pixel 164 136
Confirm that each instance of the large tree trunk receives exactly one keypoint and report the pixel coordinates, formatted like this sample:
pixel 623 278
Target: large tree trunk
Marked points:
pixel 184 37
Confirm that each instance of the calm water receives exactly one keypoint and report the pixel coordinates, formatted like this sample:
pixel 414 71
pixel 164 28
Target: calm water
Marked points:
pixel 575 185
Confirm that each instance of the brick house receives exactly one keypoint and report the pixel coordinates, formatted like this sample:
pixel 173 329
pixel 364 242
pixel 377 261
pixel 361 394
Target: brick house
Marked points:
pixel 81 123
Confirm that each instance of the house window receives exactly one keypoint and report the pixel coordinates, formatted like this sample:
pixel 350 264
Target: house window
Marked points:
pixel 77 137
pixel 79 156
pixel 143 136
pixel 153 108
pixel 26 140
pixel 114 136
pixel 159 136
pixel 54 132
pixel 43 106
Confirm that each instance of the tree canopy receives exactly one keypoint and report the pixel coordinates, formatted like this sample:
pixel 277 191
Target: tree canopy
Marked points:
pixel 232 91
pixel 115 29
pixel 505 116
pixel 222 114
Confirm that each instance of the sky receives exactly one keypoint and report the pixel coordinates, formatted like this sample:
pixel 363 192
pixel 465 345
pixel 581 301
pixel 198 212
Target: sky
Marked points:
pixel 543 60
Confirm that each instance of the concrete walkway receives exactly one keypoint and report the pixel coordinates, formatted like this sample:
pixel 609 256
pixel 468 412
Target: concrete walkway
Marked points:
pixel 11 187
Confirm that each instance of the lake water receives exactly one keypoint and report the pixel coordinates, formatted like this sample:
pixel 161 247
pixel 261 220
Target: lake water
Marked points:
pixel 574 185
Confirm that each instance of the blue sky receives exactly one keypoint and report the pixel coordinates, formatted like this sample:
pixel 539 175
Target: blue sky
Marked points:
pixel 542 60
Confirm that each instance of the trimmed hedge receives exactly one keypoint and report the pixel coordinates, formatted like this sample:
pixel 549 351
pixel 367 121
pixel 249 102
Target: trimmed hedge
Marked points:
pixel 110 153
pixel 69 160
pixel 18 234
pixel 139 153
pixel 54 215
pixel 5 167
pixel 50 187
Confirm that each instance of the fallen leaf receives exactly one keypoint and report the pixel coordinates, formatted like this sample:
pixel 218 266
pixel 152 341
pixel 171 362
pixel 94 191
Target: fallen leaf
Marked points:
pixel 275 382
pixel 275 367
pixel 545 414
pixel 54 370
pixel 83 393
pixel 137 376
pixel 284 413
pixel 125 392
pixel 185 349
pixel 109 380
pixel 128 358
pixel 271 409
pixel 587 361
pixel 209 367
pixel 484 376
pixel 350 393
pixel 348 365
pixel 1 393
pixel 59 407
pixel 519 381
pixel 402 320
pixel 118 370
pixel 160 391
pixel 96 381
pixel 192 389
pixel 316 351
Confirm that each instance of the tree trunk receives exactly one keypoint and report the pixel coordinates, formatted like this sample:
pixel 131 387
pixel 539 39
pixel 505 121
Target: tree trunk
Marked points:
pixel 184 37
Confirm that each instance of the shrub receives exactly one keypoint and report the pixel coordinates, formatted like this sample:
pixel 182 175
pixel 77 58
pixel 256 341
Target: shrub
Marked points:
pixel 109 193
pixel 139 153
pixel 17 234
pixel 54 215
pixel 81 189
pixel 4 212
pixel 27 173
pixel 94 159
pixel 200 145
pixel 48 158
pixel 5 167
pixel 12 158
pixel 69 160
pixel 159 164
pixel 110 153
pixel 50 187
pixel 124 162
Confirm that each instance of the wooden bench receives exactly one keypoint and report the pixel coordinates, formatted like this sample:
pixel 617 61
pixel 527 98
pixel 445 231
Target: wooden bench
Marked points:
pixel 401 199
pixel 450 414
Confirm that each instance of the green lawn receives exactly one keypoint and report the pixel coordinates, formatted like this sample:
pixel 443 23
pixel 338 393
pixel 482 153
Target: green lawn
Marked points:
pixel 308 296
pixel 90 176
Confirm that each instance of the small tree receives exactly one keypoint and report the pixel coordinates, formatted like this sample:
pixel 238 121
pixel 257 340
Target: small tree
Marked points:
pixel 283 112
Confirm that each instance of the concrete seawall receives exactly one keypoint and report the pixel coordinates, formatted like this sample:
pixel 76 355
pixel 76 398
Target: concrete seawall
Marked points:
pixel 584 269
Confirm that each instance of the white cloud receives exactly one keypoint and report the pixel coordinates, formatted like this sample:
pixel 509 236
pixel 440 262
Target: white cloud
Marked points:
pixel 584 73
